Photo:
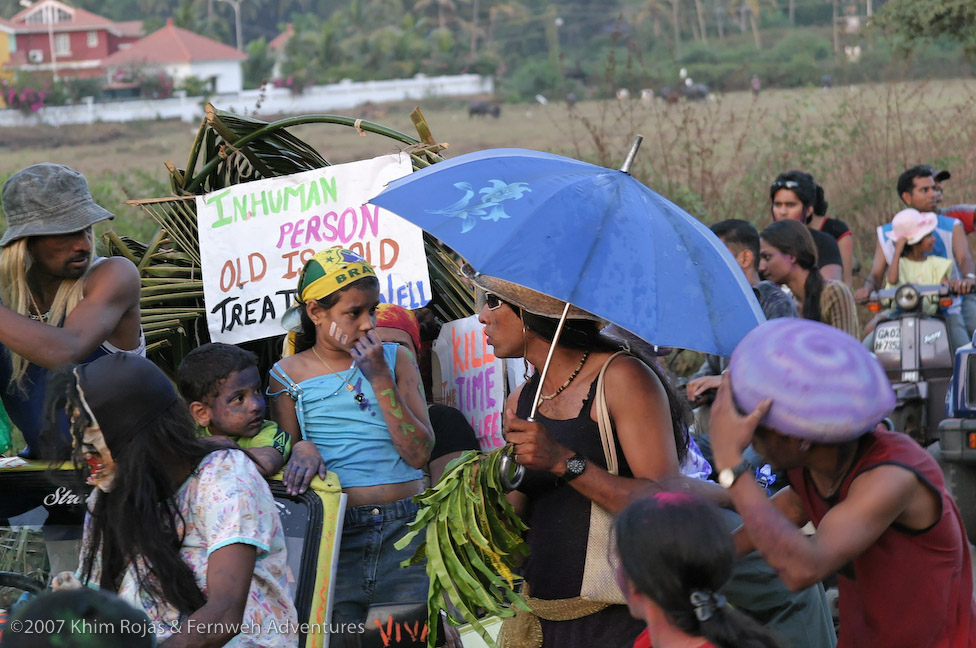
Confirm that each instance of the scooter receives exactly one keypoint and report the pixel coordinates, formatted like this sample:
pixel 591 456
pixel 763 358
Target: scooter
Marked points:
pixel 916 355
pixel 957 437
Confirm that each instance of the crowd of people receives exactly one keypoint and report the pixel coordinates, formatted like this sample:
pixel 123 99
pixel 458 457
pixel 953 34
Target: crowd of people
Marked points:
pixel 706 542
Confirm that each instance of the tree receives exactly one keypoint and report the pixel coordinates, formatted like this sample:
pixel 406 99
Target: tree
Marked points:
pixel 260 61
pixel 918 20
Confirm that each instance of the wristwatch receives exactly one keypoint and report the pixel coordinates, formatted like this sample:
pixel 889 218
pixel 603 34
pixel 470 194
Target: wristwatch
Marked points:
pixel 575 466
pixel 727 476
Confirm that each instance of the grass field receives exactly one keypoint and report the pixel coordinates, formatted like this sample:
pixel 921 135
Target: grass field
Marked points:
pixel 714 158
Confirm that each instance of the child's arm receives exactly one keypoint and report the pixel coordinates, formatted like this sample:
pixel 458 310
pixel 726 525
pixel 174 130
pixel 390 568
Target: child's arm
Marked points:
pixel 893 266
pixel 268 459
pixel 268 448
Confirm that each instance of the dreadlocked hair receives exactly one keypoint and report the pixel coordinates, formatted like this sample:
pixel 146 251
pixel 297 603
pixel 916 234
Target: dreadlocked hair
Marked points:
pixel 142 495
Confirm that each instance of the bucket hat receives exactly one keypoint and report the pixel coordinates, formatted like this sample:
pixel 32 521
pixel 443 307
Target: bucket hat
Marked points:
pixel 826 387
pixel 913 225
pixel 48 199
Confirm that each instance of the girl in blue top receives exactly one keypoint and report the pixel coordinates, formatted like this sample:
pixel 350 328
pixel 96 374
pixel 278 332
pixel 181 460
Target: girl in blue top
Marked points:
pixel 355 408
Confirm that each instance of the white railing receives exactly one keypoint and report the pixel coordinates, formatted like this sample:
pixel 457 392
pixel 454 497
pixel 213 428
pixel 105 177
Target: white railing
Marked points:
pixel 315 99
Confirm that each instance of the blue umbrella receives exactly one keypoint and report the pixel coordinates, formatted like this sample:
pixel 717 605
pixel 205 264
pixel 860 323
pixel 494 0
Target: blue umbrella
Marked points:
pixel 587 235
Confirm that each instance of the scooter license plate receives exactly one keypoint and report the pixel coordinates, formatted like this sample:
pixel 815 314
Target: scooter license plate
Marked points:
pixel 888 340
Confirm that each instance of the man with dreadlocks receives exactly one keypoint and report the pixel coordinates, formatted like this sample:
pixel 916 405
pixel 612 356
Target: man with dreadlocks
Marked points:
pixel 180 528
pixel 60 303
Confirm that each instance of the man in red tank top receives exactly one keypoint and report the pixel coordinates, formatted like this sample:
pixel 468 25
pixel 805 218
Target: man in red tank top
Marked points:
pixel 884 521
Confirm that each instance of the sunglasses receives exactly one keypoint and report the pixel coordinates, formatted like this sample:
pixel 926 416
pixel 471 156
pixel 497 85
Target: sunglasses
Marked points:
pixel 493 301
pixel 786 184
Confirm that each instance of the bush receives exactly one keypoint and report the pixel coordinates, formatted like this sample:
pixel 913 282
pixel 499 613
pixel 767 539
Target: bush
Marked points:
pixel 157 86
pixel 538 76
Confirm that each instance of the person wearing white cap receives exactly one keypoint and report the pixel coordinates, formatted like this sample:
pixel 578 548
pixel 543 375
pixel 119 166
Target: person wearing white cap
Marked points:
pixel 60 303
pixel 813 398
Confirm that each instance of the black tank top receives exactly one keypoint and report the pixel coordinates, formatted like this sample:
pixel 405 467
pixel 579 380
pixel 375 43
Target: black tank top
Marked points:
pixel 559 522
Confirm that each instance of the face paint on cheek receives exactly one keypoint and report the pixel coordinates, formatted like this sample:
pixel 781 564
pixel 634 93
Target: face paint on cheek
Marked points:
pixel 332 329
pixel 99 459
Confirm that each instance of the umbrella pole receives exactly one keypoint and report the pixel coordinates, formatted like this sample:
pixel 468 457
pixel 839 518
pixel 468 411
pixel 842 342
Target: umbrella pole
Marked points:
pixel 629 160
pixel 545 368
pixel 510 473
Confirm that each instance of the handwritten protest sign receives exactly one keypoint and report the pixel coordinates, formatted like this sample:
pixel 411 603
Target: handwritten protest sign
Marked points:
pixel 473 379
pixel 255 237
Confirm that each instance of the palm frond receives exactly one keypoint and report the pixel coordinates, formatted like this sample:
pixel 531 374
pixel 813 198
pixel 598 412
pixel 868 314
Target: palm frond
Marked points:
pixel 229 149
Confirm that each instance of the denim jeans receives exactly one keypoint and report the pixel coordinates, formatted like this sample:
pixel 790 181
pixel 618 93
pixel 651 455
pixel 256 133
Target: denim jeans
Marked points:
pixel 369 571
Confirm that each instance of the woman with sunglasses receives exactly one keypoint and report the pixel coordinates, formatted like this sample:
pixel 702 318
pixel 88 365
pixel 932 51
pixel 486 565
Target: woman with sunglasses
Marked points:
pixel 795 196
pixel 566 467
pixel 787 257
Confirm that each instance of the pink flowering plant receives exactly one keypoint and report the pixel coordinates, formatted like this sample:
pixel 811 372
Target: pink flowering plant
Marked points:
pixel 28 99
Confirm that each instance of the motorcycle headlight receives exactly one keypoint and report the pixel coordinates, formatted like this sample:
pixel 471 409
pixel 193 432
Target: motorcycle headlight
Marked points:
pixel 907 297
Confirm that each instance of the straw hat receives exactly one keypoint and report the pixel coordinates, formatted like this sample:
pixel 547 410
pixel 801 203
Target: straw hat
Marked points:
pixel 530 300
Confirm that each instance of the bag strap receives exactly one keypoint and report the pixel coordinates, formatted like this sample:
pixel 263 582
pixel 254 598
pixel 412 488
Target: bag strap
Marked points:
pixel 603 417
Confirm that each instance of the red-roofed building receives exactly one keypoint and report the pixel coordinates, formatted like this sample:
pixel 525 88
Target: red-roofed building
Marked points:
pixel 181 54
pixel 68 41
pixel 277 47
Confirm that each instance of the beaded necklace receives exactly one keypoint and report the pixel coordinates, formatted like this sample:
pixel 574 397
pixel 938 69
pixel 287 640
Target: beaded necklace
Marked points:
pixel 572 377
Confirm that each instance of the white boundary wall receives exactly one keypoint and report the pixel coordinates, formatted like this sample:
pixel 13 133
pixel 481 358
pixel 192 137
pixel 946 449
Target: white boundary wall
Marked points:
pixel 315 99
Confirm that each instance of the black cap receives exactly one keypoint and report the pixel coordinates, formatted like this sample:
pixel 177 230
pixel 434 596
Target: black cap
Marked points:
pixel 939 175
pixel 124 392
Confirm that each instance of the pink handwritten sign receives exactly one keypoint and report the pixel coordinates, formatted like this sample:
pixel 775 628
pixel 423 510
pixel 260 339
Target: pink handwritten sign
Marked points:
pixel 473 379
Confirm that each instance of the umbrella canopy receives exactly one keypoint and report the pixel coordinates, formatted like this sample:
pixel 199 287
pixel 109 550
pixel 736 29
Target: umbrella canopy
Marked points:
pixel 588 235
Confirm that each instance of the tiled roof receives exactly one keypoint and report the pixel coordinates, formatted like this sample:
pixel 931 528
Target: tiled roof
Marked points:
pixel 173 44
pixel 80 19
pixel 279 41
pixel 130 28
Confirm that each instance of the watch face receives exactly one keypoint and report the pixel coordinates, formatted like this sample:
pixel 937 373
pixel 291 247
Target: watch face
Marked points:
pixel 726 478
pixel 575 466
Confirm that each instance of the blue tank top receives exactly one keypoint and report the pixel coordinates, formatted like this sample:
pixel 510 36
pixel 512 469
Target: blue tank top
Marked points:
pixel 351 436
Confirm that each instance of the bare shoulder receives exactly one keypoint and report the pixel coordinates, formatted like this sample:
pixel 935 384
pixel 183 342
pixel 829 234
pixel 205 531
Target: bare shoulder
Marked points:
pixel 629 372
pixel 511 402
pixel 113 273
pixel 405 359
pixel 295 366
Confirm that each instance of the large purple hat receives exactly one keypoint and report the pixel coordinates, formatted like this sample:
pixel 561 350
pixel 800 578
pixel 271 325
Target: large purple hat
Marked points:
pixel 825 385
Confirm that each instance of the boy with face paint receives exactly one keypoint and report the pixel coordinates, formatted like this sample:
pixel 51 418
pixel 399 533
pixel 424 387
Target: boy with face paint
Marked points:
pixel 222 386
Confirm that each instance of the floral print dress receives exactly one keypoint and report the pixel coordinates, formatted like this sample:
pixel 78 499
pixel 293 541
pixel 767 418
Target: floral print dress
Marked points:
pixel 224 501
